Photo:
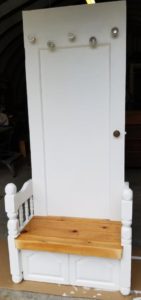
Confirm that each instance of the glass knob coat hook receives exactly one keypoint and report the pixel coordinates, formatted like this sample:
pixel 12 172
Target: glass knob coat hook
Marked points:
pixel 31 38
pixel 93 42
pixel 115 32
pixel 71 37
pixel 51 45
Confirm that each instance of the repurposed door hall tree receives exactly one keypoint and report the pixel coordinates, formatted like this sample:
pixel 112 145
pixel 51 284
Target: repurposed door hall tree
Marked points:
pixel 80 229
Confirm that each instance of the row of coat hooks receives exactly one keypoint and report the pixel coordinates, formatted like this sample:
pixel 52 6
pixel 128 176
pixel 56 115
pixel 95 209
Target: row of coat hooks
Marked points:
pixel 72 37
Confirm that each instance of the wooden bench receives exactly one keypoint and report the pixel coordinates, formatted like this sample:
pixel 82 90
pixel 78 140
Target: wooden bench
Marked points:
pixel 77 251
pixel 101 238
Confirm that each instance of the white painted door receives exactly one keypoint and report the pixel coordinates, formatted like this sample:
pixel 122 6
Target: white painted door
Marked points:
pixel 76 101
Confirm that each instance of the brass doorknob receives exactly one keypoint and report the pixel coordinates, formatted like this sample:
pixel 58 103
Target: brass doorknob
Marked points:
pixel 116 133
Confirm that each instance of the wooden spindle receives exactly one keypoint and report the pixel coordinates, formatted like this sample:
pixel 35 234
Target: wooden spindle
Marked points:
pixel 26 211
pixel 31 206
pixel 21 220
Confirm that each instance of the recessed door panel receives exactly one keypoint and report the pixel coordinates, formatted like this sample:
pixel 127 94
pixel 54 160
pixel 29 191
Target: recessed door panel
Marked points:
pixel 76 106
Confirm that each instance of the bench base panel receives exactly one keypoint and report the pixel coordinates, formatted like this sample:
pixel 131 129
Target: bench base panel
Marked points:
pixel 71 269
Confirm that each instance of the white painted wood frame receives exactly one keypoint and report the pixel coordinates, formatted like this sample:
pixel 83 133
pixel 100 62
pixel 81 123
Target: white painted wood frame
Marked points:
pixel 18 216
pixel 104 273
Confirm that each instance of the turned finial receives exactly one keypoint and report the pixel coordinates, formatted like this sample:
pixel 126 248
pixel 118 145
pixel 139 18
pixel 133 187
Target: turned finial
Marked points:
pixel 10 189
pixel 127 193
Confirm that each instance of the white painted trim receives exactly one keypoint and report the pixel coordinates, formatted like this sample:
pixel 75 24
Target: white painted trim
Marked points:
pixel 136 292
pixel 134 257
pixel 36 125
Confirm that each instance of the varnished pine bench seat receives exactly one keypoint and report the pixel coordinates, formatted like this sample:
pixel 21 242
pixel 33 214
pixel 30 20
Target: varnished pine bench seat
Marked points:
pixel 101 238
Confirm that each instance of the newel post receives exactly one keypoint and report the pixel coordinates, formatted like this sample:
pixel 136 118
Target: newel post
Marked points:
pixel 13 231
pixel 126 239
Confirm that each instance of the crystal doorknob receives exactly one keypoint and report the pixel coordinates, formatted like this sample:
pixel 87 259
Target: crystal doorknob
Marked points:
pixel 116 133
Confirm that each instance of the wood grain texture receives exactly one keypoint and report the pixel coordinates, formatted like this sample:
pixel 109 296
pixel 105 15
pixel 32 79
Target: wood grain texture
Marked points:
pixel 101 238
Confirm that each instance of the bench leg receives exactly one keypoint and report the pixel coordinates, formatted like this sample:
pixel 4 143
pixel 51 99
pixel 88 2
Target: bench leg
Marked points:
pixel 126 239
pixel 125 276
pixel 15 261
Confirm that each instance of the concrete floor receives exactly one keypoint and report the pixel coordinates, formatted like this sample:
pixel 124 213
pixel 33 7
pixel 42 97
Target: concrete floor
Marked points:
pixel 11 295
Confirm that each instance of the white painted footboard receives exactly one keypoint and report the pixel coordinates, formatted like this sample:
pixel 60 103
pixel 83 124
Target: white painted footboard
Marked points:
pixel 103 273
pixel 20 209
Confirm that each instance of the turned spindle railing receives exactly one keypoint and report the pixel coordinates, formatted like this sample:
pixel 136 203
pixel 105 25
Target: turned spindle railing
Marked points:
pixel 20 209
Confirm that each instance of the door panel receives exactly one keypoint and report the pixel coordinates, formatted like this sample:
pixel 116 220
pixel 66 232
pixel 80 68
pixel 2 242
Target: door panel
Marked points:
pixel 76 127
pixel 76 100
